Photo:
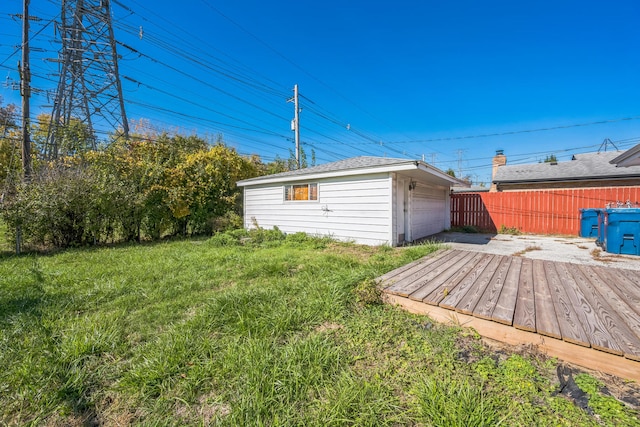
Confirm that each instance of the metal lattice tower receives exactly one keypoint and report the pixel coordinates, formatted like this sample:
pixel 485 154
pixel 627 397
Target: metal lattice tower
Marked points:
pixel 89 90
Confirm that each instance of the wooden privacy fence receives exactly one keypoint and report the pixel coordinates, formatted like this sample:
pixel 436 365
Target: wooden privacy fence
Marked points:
pixel 535 211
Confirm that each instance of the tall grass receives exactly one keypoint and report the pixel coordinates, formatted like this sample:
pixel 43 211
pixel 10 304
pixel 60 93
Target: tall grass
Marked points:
pixel 243 330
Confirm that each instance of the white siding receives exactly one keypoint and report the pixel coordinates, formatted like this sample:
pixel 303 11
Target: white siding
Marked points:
pixel 428 211
pixel 355 209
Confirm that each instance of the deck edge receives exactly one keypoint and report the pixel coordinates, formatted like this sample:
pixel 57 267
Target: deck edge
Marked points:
pixel 588 358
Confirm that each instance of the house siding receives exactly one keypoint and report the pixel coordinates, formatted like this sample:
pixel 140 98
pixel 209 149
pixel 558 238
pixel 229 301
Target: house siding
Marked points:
pixel 355 209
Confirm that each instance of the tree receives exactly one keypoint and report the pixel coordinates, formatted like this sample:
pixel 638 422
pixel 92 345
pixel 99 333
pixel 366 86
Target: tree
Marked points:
pixel 278 165
pixel 10 152
pixel 292 163
pixel 451 172
pixel 71 138
pixel 551 159
pixel 203 188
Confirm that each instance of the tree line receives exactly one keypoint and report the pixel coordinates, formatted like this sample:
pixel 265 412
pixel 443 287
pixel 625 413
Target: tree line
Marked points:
pixel 146 187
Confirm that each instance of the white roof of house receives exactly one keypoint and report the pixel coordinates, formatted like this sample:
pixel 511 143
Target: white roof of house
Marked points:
pixel 357 166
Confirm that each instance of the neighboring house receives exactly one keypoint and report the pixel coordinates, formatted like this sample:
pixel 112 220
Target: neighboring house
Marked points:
pixel 367 200
pixel 631 157
pixel 586 170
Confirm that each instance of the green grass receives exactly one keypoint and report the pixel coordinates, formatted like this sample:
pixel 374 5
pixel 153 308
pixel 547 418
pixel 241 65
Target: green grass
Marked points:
pixel 270 332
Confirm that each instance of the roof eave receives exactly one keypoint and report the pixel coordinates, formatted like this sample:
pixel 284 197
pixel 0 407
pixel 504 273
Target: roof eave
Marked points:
pixel 396 167
pixel 408 165
pixel 442 175
pixel 631 157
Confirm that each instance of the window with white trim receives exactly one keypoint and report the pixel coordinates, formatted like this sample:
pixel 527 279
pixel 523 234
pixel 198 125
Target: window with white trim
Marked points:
pixel 297 192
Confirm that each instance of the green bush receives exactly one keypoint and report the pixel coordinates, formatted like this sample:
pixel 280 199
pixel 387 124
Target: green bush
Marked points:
pixel 134 190
pixel 223 239
pixel 57 208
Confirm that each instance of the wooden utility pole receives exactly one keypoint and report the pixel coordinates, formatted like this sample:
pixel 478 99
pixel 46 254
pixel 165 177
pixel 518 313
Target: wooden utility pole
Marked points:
pixel 25 89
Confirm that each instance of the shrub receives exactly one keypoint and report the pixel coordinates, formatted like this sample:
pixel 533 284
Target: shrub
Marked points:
pixel 131 191
pixel 57 208
pixel 223 239
pixel 367 292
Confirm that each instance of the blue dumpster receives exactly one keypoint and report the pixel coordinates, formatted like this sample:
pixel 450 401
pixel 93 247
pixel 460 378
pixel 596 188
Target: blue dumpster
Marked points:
pixel 622 231
pixel 589 222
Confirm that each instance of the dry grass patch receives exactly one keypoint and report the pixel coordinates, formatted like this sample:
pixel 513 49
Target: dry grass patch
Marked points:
pixel 596 254
pixel 527 249
pixel 206 410
pixel 328 326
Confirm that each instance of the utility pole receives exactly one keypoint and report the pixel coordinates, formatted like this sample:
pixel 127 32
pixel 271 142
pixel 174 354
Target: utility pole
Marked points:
pixel 460 152
pixel 25 89
pixel 295 124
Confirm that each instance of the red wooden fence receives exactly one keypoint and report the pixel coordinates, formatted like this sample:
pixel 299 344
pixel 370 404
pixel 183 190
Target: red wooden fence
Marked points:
pixel 534 211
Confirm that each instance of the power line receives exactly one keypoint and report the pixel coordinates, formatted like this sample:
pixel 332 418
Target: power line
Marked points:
pixel 454 138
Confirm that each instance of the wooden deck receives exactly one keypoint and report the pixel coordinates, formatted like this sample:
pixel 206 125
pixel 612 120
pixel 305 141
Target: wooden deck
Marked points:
pixel 588 315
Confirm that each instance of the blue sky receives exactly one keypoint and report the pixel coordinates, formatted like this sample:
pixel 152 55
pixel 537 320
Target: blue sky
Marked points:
pixel 450 81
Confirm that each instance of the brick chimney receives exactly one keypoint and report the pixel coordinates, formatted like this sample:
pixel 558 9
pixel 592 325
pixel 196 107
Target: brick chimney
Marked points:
pixel 499 160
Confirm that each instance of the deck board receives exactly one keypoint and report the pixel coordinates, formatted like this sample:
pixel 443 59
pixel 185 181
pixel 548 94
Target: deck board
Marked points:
pixel 438 280
pixel 625 305
pixel 546 319
pixel 615 319
pixel 448 285
pixel 599 336
pixel 489 299
pixel 415 264
pixel 506 305
pixel 426 284
pixel 408 281
pixel 623 285
pixel 468 303
pixel 565 307
pixel 455 295
pixel 583 306
pixel 525 315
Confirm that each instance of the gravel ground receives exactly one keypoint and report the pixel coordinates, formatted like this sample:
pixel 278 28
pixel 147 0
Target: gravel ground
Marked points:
pixel 554 248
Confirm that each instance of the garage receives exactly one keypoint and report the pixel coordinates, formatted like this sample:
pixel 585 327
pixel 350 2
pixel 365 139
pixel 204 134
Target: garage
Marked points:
pixel 428 207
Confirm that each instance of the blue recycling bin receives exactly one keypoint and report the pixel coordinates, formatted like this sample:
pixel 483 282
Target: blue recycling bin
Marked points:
pixel 622 231
pixel 589 222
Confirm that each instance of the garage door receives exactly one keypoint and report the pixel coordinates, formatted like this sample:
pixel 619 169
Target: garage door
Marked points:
pixel 427 211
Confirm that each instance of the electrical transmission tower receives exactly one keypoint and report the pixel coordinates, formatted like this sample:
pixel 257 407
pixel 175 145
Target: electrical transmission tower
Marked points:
pixel 605 144
pixel 89 90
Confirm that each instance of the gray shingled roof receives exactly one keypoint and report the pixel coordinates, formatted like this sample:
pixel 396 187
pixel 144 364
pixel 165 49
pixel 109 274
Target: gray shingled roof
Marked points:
pixel 581 167
pixel 341 165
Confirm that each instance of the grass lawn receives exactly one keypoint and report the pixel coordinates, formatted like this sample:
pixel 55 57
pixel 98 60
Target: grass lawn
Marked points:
pixel 273 332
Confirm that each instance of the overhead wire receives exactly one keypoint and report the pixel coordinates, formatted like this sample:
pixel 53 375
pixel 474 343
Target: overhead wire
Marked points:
pixel 284 57
pixel 354 138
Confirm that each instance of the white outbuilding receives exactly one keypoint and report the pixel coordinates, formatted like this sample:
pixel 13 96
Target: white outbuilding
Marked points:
pixel 367 200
